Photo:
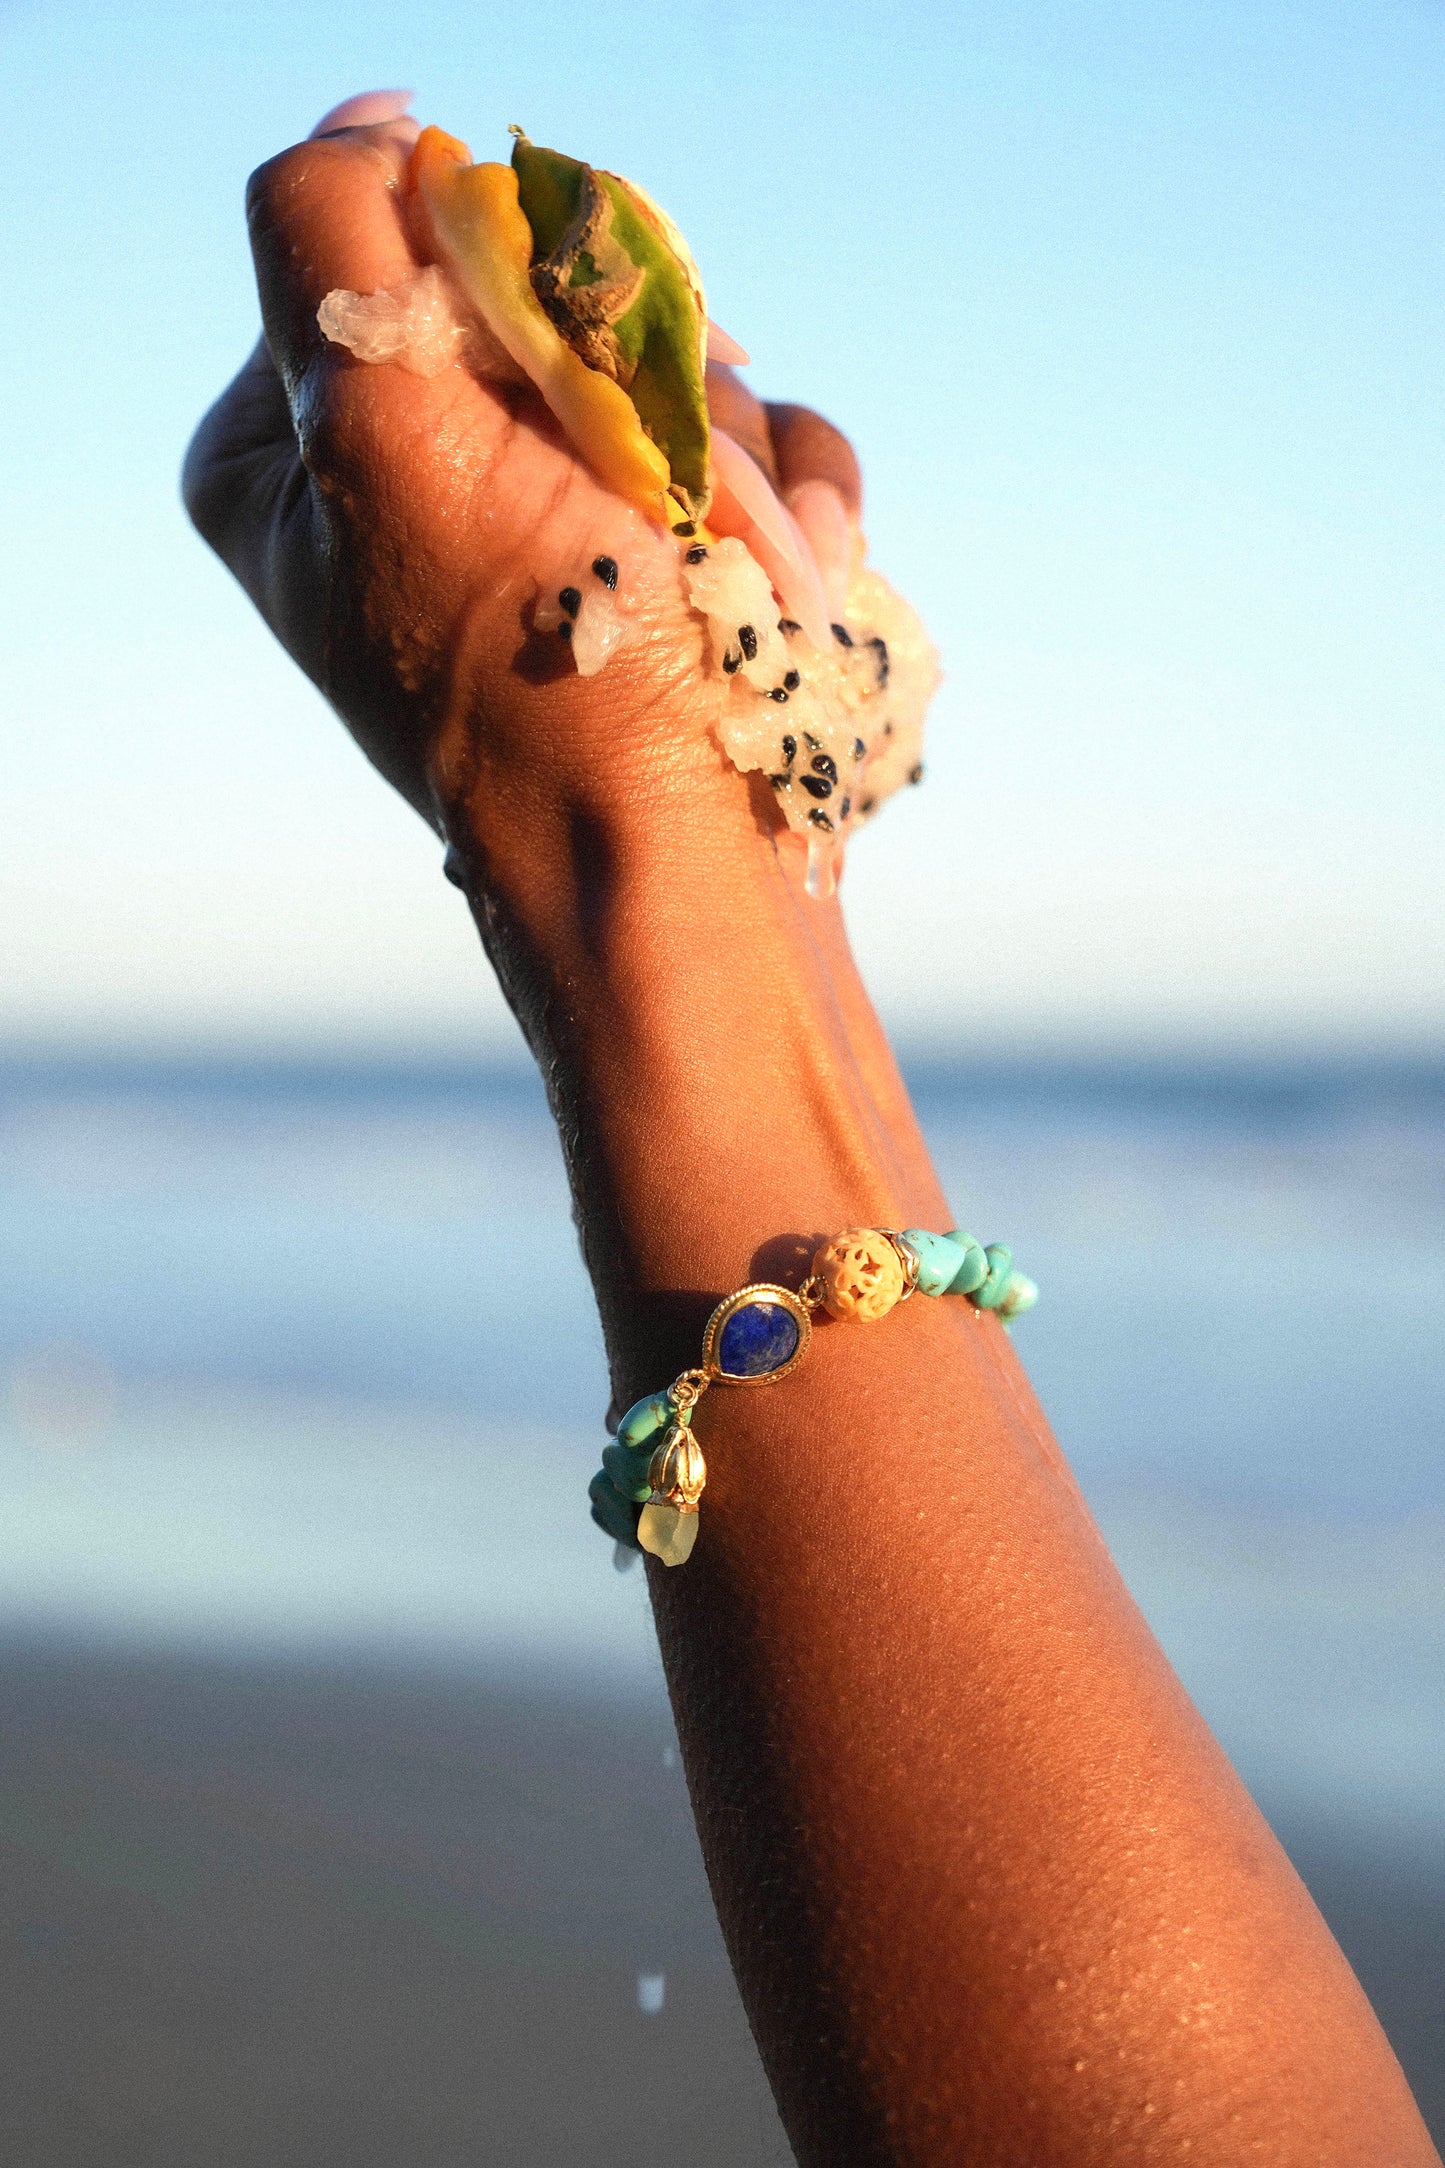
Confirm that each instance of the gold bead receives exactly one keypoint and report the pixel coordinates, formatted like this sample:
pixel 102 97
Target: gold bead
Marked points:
pixel 861 1273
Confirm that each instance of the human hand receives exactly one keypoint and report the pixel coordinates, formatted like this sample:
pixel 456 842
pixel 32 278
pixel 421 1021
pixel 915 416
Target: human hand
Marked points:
pixel 394 530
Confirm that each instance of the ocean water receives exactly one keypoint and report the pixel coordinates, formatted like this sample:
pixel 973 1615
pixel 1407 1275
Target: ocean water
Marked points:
pixel 298 1369
pixel 304 1358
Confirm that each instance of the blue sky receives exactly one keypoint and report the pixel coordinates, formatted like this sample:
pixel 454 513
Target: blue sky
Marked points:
pixel 1137 314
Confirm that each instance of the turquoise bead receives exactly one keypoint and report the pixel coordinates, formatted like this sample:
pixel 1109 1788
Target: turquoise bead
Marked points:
pixel 612 1512
pixel 974 1269
pixel 628 1470
pixel 643 1418
pixel 1021 1295
pixel 1000 1269
pixel 937 1259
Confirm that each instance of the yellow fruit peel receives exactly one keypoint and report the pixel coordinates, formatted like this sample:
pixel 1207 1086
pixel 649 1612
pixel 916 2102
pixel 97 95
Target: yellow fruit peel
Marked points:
pixel 482 234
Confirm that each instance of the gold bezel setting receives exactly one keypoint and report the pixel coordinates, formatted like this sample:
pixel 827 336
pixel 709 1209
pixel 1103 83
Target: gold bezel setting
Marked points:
pixel 782 1298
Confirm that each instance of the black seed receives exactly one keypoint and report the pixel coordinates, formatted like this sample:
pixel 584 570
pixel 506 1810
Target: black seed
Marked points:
pixel 824 764
pixel 842 635
pixel 820 820
pixel 564 630
pixel 696 554
pixel 817 786
pixel 781 782
pixel 731 662
pixel 606 570
pixel 789 625
pixel 845 809
pixel 880 655
pixel 571 600
pixel 792 680
pixel 887 730
pixel 859 748
pixel 790 750
pixel 748 641
pixel 685 526
pixel 811 742
pixel 915 775
pixel 866 805
pixel 778 694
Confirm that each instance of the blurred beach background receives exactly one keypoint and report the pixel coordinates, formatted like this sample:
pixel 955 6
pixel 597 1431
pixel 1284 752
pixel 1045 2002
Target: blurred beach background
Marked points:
pixel 340 1815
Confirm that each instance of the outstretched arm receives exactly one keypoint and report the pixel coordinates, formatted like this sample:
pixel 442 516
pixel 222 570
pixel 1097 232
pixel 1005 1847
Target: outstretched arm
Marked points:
pixel 992 1892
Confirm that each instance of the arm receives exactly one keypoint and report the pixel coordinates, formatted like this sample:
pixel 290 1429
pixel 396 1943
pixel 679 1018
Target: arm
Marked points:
pixel 991 1890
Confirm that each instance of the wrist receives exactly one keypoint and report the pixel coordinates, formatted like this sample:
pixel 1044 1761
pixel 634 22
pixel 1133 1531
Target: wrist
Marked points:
pixel 670 978
pixel 609 836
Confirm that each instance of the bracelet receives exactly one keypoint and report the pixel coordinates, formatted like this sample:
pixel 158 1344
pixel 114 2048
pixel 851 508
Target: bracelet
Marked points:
pixel 647 1491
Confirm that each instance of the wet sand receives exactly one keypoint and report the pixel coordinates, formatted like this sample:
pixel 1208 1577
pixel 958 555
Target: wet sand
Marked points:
pixel 265 1914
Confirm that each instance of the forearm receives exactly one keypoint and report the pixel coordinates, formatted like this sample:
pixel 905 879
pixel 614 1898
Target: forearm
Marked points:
pixel 991 1891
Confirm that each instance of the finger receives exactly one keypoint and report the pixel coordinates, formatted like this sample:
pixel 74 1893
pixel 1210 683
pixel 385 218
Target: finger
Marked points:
pixel 808 449
pixel 823 489
pixel 327 213
pixel 734 408
pixel 832 535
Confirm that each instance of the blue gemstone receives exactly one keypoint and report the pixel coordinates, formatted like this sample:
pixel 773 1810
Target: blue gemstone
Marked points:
pixel 759 1337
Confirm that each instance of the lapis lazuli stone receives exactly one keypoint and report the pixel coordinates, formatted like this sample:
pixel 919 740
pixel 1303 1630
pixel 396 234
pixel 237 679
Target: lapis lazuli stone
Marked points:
pixel 759 1337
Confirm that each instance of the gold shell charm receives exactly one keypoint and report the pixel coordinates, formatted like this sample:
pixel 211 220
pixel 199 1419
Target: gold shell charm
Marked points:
pixel 668 1523
pixel 861 1274
pixel 677 1471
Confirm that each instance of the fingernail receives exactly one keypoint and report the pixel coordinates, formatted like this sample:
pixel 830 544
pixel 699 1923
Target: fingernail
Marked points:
pixel 721 348
pixel 831 531
pixel 366 110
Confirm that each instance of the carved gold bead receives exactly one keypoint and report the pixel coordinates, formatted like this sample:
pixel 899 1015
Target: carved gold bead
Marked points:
pixel 677 1470
pixel 861 1273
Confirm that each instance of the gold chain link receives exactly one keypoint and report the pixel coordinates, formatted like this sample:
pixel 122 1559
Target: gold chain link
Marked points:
pixel 686 1390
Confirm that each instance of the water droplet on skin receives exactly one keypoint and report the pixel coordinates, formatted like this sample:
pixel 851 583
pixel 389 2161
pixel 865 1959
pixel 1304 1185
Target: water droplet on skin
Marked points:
pixel 651 1988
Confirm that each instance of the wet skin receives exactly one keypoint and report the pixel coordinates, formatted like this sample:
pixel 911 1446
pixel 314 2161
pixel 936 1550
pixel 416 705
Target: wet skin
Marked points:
pixel 992 1892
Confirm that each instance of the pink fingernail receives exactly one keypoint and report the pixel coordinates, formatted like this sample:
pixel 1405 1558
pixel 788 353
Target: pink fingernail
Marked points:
pixel 721 348
pixel 367 110
pixel 824 518
pixel 746 504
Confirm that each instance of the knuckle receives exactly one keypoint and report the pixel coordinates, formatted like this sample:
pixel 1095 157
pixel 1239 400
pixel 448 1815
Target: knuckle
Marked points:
pixel 336 427
pixel 274 187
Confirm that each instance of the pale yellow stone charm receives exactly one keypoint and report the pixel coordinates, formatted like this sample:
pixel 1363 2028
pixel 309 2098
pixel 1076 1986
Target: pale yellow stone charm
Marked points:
pixel 862 1274
pixel 669 1532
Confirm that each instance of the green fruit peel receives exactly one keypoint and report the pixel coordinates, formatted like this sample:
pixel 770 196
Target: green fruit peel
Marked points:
pixel 617 280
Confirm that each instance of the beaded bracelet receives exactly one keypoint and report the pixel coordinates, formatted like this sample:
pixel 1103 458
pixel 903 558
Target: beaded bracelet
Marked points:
pixel 646 1493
